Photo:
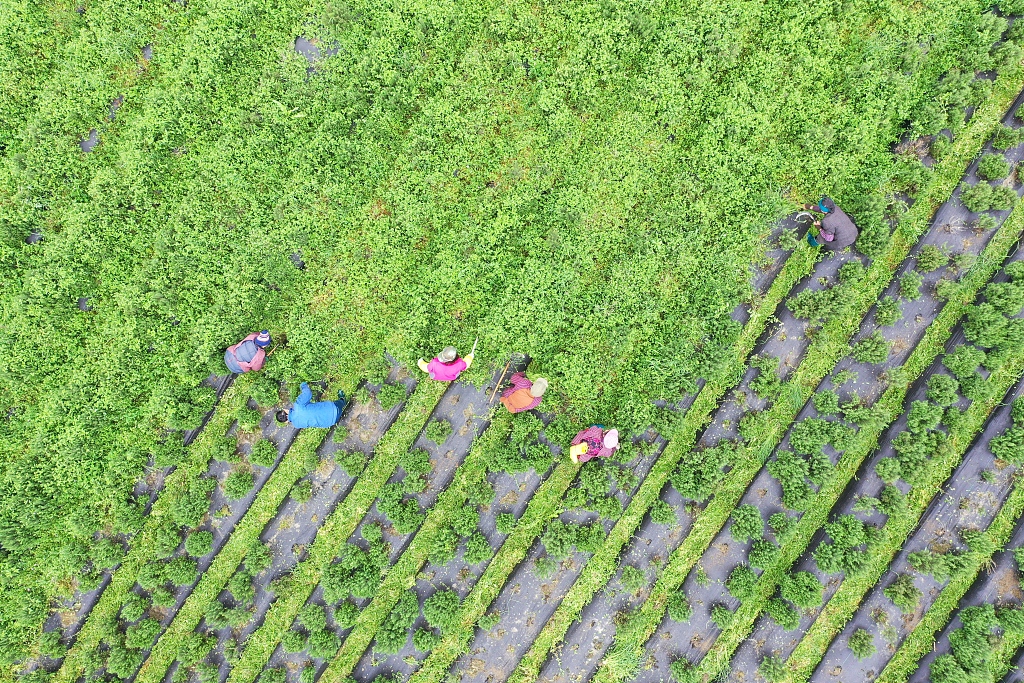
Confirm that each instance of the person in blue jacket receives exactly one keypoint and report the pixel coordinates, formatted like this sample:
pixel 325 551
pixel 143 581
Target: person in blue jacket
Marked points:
pixel 309 413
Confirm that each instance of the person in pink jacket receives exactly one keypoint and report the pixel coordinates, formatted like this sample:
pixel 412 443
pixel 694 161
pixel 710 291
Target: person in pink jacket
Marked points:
pixel 594 442
pixel 446 366
pixel 248 354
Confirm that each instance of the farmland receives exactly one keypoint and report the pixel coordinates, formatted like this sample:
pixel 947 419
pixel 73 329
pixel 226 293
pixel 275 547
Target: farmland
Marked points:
pixel 820 471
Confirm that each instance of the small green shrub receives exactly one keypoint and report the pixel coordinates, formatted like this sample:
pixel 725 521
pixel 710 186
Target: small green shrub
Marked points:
pixel 931 258
pixel 910 285
pixel 780 523
pixel 772 669
pixel 939 147
pixel 191 507
pixel 742 582
pixel 259 557
pixel 802 589
pixel 722 616
pixel 425 639
pixel 762 553
pixel 632 579
pixel 544 567
pixel 862 644
pixel 826 402
pixel 903 593
pixel 106 553
pixel 51 646
pixel 679 609
pixel 976 198
pixel 265 391
pixel 943 390
pixel 438 431
pixel 195 647
pixel 887 312
pixel 390 395
pixel 1006 137
pixel 478 549
pixel 682 671
pixel 181 571
pixel 663 513
pixel 240 586
pixel 264 453
pixel 273 676
pixel 302 492
pixel 199 543
pixel 393 633
pixel 313 617
pixel 888 470
pixel 489 620
pixel 1003 198
pixel 238 483
pixel 783 614
pixel 746 523
pixel 248 419
pixel 442 610
pixel 873 349
pixel 134 607
pixel 323 644
pixel 308 674
pixel 993 167
pixel 162 597
pixel 346 613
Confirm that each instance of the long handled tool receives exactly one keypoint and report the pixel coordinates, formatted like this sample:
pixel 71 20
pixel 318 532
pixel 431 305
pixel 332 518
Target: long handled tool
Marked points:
pixel 497 386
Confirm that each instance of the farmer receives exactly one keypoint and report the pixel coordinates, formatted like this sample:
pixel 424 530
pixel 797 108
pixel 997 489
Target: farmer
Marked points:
pixel 523 394
pixel 309 413
pixel 594 442
pixel 446 366
pixel 835 231
pixel 248 354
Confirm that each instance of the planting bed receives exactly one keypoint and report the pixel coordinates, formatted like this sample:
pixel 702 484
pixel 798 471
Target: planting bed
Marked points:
pixel 289 534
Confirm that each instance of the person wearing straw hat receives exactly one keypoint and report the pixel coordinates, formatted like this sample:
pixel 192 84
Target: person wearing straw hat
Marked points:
pixel 594 442
pixel 248 354
pixel 446 366
pixel 523 394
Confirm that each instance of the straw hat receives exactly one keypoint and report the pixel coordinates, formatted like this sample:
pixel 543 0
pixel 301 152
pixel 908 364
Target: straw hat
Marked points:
pixel 448 354
pixel 539 387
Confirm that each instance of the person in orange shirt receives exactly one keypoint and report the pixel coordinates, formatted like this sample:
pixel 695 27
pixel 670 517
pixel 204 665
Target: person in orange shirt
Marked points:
pixel 523 394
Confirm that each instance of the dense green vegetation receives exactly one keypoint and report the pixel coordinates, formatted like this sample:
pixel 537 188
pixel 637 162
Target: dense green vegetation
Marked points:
pixel 586 183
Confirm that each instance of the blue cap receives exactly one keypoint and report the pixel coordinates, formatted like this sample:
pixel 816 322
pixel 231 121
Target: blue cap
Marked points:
pixel 263 339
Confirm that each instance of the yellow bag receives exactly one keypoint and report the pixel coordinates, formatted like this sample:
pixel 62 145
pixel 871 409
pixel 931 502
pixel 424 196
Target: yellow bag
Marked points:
pixel 576 451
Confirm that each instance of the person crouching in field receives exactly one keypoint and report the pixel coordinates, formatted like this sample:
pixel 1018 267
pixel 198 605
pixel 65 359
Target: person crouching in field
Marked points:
pixel 835 231
pixel 523 394
pixel 248 354
pixel 309 413
pixel 446 366
pixel 594 442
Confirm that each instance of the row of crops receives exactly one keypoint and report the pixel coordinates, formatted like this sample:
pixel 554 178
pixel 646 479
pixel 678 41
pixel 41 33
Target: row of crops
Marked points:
pixel 838 501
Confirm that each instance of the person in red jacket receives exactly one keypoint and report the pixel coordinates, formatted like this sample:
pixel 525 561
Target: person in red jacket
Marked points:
pixel 446 366
pixel 248 354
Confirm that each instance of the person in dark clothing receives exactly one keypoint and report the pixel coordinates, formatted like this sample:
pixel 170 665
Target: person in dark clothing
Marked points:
pixel 835 231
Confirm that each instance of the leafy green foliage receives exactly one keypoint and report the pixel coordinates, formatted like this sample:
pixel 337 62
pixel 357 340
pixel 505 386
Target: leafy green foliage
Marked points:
pixel 405 513
pixel 971 647
pixel 931 258
pixel 746 523
pixel 273 675
pixel 390 395
pixel 780 523
pixel 772 669
pixel 195 647
pixel 699 471
pixel 264 453
pixel 560 538
pixel 425 639
pixel 766 384
pixel 442 610
pixel 323 644
pixel 632 579
pixel 802 589
pixel 302 492
pixel 190 509
pixel 851 542
pixel 678 607
pixel 873 349
pixel 762 554
pixel 505 522
pixel 783 614
pixel 134 607
pixel 238 483
pixel 663 513
pixel 181 571
pixel 903 593
pixel 742 582
pixel 394 632
pixel 940 566
pixel 826 402
pixel 861 643
pixel 259 558
pixel 1006 137
pixel 199 543
pixel 910 285
pixel 993 167
pixel 943 389
pixel 357 572
pixel 438 431
pixel 722 616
